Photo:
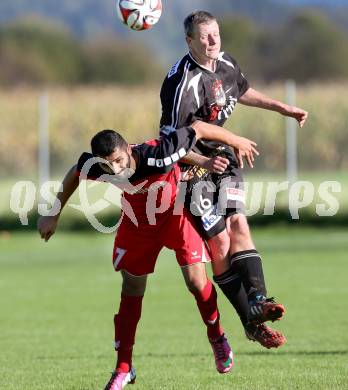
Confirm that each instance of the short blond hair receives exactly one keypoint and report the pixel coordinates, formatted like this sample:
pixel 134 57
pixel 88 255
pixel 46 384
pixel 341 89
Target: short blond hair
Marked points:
pixel 194 19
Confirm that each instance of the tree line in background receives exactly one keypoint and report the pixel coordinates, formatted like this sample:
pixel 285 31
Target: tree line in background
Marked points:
pixel 36 53
pixel 308 47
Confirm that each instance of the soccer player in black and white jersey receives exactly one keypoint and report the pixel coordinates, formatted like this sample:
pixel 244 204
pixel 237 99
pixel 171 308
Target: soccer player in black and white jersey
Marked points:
pixel 206 84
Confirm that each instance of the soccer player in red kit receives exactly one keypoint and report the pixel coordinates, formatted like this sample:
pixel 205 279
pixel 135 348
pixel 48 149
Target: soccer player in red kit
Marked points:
pixel 148 171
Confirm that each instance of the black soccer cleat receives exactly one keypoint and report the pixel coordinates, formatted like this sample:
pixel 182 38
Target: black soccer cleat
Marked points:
pixel 265 309
pixel 266 336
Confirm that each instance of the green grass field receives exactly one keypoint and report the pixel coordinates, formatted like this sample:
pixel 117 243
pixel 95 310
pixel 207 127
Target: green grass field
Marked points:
pixel 57 302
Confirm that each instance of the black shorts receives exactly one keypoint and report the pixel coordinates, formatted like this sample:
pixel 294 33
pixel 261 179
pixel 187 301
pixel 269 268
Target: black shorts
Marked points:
pixel 211 198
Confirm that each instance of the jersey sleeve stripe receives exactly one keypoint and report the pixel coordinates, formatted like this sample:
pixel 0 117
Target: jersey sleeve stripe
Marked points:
pixel 179 90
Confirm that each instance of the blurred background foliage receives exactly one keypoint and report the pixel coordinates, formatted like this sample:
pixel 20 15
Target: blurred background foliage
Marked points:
pixel 76 113
pixel 35 52
pixel 307 47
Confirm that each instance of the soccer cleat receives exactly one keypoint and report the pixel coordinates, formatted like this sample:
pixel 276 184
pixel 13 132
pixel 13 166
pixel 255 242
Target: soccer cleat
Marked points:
pixel 119 380
pixel 266 336
pixel 223 354
pixel 265 309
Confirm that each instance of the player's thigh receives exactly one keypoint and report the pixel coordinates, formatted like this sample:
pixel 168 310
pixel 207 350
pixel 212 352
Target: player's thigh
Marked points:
pixel 191 251
pixel 238 224
pixel 181 235
pixel 219 246
pixel 135 250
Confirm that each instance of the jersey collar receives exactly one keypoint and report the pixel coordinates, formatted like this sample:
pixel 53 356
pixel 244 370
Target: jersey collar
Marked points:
pixel 203 67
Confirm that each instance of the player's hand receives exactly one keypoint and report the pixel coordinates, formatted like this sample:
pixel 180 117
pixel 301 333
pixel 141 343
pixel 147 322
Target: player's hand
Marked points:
pixel 187 175
pixel 296 113
pixel 216 164
pixel 245 148
pixel 46 226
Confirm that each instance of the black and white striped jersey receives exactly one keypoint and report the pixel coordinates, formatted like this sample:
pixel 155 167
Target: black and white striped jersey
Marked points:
pixel 191 92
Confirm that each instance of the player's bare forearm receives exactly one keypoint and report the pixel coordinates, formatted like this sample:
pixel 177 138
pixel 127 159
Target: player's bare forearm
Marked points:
pixel 257 99
pixel 193 158
pixel 244 147
pixel 215 164
pixel 69 185
pixel 214 133
pixel 47 225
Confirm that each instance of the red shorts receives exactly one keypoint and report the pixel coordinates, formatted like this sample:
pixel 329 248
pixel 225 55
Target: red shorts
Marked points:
pixel 136 248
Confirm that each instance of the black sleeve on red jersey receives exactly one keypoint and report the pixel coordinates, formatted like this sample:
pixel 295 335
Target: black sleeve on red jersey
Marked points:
pixel 242 82
pixel 166 152
pixel 94 171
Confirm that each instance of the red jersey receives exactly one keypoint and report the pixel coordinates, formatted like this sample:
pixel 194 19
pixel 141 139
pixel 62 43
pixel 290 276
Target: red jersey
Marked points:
pixel 156 175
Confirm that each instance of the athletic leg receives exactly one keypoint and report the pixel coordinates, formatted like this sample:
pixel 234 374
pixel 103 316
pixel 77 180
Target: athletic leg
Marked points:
pixel 126 321
pixel 245 257
pixel 127 318
pixel 227 277
pixel 206 299
pixel 247 261
pixel 228 198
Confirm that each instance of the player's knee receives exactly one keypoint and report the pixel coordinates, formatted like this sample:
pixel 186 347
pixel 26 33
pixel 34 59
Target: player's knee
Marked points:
pixel 238 226
pixel 133 286
pixel 219 246
pixel 195 284
pixel 195 277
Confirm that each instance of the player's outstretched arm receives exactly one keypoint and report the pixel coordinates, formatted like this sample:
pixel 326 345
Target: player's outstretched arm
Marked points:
pixel 47 225
pixel 244 147
pixel 255 98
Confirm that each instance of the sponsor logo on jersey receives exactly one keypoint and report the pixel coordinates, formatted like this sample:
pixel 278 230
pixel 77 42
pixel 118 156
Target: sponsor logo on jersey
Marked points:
pixel 219 112
pixel 196 171
pixel 174 69
pixel 235 194
pixel 222 107
pixel 219 93
pixel 195 255
pixel 210 219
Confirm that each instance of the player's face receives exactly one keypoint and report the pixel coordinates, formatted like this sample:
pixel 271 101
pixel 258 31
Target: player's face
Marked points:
pixel 120 162
pixel 206 43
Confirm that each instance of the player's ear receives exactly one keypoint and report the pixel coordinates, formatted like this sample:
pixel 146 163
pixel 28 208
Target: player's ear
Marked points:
pixel 129 149
pixel 188 40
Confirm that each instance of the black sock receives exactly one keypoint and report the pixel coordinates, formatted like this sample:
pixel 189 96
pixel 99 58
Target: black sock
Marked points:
pixel 230 284
pixel 249 266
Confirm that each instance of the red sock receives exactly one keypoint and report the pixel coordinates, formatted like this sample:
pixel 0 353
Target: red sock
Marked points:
pixel 207 304
pixel 126 321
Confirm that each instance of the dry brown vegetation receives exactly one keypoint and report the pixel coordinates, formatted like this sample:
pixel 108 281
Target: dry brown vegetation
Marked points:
pixel 77 113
